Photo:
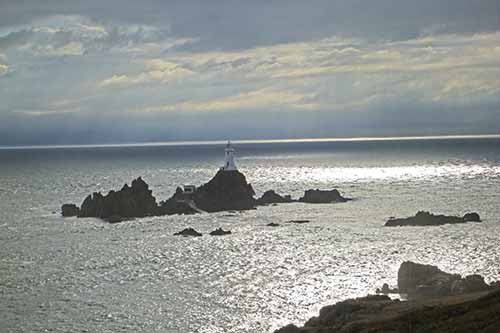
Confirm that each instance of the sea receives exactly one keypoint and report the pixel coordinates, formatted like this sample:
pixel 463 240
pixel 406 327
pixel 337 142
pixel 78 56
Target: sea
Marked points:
pixel 86 275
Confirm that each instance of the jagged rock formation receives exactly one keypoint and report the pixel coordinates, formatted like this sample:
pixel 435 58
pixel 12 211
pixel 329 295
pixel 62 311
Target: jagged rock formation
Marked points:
pixel 227 190
pixel 271 197
pixel 427 219
pixel 188 232
pixel 321 196
pixel 220 232
pixel 419 280
pixel 69 210
pixel 460 314
pixel 131 201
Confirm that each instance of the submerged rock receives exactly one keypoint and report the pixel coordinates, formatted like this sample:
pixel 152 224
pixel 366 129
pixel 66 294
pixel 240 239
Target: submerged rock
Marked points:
pixel 220 232
pixel 321 196
pixel 188 232
pixel 271 197
pixel 423 218
pixel 69 210
pixel 299 221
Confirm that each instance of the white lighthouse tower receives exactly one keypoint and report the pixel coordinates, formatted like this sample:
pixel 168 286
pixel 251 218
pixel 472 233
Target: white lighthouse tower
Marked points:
pixel 229 160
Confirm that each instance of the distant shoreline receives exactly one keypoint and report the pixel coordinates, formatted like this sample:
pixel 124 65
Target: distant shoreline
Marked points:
pixel 217 142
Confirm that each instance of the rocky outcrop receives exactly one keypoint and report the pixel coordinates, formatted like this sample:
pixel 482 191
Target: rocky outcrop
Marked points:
pixel 419 280
pixel 475 308
pixel 461 314
pixel 188 232
pixel 427 219
pixel 321 196
pixel 472 217
pixel 271 197
pixel 220 232
pixel 227 190
pixel 131 201
pixel 69 210
pixel 387 290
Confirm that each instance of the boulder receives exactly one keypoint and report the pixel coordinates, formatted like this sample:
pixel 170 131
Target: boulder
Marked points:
pixel 472 217
pixel 188 232
pixel 387 290
pixel 414 278
pixel 131 201
pixel 69 210
pixel 220 232
pixel 271 197
pixel 423 218
pixel 426 280
pixel 321 196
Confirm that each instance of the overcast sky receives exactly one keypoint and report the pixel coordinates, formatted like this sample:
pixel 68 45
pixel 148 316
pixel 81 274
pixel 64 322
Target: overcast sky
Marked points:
pixel 113 71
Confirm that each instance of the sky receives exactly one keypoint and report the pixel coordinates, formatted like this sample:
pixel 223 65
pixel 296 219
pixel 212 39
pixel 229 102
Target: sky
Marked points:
pixel 89 72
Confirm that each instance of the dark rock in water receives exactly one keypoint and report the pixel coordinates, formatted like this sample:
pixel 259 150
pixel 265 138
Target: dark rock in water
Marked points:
pixel 386 290
pixel 472 217
pixel 426 280
pixel 188 232
pixel 220 232
pixel 69 210
pixel 133 201
pixel 272 224
pixel 460 314
pixel 114 219
pixel 227 190
pixel 320 196
pixel 271 197
pixel 299 221
pixel 427 219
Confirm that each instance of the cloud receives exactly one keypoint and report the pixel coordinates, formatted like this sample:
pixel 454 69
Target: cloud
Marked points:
pixel 252 100
pixel 158 71
pixel 3 69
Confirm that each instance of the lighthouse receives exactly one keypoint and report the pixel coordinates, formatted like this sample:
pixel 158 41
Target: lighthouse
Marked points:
pixel 229 160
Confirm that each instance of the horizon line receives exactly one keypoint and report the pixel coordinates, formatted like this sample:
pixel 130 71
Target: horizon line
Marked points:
pixel 250 141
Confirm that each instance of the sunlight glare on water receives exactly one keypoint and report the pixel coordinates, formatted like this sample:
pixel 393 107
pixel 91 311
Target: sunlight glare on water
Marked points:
pixel 68 274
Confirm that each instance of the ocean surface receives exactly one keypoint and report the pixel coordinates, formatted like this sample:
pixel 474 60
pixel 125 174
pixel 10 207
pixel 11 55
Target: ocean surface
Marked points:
pixel 85 275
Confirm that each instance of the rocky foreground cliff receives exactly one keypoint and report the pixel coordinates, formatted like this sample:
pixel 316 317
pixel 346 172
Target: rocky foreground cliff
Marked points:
pixel 438 302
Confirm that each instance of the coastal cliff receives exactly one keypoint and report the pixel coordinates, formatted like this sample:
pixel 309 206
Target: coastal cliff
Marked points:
pixel 438 302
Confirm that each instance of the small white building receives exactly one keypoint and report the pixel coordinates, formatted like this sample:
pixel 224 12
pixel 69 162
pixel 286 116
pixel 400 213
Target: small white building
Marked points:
pixel 229 160
pixel 189 189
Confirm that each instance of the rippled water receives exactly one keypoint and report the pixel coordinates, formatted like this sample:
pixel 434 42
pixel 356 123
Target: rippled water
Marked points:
pixel 86 275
